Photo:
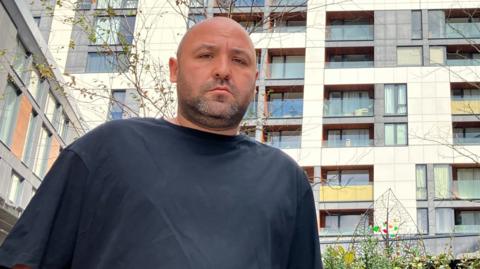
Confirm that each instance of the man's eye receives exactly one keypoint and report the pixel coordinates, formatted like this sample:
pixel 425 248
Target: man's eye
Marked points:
pixel 206 56
pixel 240 61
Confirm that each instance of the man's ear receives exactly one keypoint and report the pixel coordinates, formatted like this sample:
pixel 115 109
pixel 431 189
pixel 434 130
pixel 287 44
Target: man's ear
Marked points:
pixel 173 66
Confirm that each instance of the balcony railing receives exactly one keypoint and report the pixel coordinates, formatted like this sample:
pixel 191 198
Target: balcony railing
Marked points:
pixel 346 143
pixel 463 62
pixel 288 108
pixel 349 32
pixel 289 29
pixel 240 3
pixel 462 30
pixel 251 112
pixel 349 64
pixel 348 108
pixel 466 189
pixel 467 140
pixel 464 229
pixel 346 193
pixel 287 70
pixel 466 106
pixel 290 142
pixel 336 231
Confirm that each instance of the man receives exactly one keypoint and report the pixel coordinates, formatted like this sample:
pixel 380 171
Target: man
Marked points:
pixel 173 194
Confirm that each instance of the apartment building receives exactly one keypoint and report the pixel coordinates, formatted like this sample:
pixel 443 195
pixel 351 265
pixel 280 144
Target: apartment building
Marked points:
pixel 36 119
pixel 379 101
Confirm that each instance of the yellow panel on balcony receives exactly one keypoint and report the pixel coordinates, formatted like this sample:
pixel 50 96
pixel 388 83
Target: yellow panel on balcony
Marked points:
pixel 465 107
pixel 346 193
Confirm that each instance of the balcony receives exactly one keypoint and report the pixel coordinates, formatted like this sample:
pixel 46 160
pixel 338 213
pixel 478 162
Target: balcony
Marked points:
pixel 465 106
pixel 283 137
pixel 462 30
pixel 347 231
pixel 466 133
pixel 240 3
pixel 466 189
pixel 346 193
pixel 353 57
pixel 287 108
pixel 347 143
pixel 288 3
pixel 347 135
pixel 349 32
pixel 290 22
pixel 466 229
pixel 348 108
pixel 286 64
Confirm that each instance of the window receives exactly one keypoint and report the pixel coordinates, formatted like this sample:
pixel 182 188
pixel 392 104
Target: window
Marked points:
pixel 396 99
pixel 395 134
pixel 15 191
pixel 467 221
pixel 37 20
pixel 348 103
pixel 53 110
pixel 416 24
pixel 421 179
pixel 21 61
pixel 41 156
pixel 409 56
pixel 348 138
pixel 466 94
pixel 348 178
pixel 437 55
pixel 9 112
pixel 106 62
pixel 117 105
pixel 287 67
pixel 467 185
pixel 30 141
pixel 342 223
pixel 422 220
pixel 114 30
pixel 36 86
pixel 117 4
pixel 444 220
pixel 63 127
pixel 443 181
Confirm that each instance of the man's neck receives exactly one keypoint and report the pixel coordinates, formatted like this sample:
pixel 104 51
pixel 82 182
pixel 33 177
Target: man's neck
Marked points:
pixel 181 121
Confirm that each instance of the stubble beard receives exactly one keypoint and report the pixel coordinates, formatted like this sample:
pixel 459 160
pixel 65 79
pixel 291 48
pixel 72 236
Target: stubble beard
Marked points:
pixel 214 112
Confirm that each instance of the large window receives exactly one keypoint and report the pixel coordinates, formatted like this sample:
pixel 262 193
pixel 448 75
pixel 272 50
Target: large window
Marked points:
pixel 437 55
pixel 416 24
pixel 30 141
pixel 118 104
pixel 348 103
pixel 16 186
pixel 117 4
pixel 409 56
pixel 466 135
pixel 395 134
pixel 341 223
pixel 467 221
pixel 114 30
pixel 53 110
pixel 348 178
pixel 21 61
pixel 467 185
pixel 43 150
pixel 106 62
pixel 443 181
pixel 444 220
pixel 396 99
pixel 10 104
pixel 422 220
pixel 284 67
pixel 284 139
pixel 421 179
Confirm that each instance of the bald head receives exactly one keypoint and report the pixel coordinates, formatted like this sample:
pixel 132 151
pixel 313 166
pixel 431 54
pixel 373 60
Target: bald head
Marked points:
pixel 213 25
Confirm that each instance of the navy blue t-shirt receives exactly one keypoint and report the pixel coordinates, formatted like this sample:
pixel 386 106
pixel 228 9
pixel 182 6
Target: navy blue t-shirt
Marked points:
pixel 145 193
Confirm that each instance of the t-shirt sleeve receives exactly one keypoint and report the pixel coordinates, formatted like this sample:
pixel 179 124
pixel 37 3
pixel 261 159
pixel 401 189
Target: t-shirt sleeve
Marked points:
pixel 305 248
pixel 45 234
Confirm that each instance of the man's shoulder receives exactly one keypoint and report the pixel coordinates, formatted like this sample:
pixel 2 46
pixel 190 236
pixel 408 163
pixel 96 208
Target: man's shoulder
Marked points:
pixel 273 155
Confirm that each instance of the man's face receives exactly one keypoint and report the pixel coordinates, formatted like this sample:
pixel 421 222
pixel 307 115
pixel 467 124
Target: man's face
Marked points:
pixel 215 74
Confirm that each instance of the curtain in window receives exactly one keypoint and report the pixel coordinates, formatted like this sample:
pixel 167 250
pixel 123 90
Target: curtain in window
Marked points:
pixel 444 220
pixel 443 181
pixel 390 99
pixel 422 220
pixel 331 224
pixel 117 4
pixel 333 138
pixel 356 137
pixel 421 179
pixel 8 116
pixel 295 67
pixel 401 134
pixel 401 99
pixel 41 157
pixel 29 141
pixel 436 23
pixel 334 107
pixel 389 134
pixel 348 223
pixel 15 190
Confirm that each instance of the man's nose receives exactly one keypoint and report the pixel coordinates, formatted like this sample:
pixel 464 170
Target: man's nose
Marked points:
pixel 222 68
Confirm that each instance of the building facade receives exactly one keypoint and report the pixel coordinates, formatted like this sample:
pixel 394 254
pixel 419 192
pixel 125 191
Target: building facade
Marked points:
pixel 379 101
pixel 37 120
